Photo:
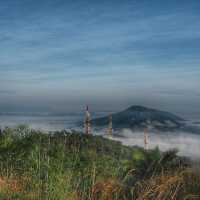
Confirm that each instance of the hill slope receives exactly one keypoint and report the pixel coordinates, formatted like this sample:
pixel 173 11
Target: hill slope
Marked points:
pixel 61 165
pixel 136 117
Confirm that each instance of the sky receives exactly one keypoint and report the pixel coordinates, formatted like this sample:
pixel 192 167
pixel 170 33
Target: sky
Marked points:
pixel 58 55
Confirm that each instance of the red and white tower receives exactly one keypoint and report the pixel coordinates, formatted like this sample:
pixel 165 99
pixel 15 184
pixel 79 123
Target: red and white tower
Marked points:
pixel 110 126
pixel 145 139
pixel 87 121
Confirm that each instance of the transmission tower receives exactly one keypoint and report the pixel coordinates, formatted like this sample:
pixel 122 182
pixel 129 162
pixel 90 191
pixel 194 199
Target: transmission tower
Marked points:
pixel 110 126
pixel 146 139
pixel 87 121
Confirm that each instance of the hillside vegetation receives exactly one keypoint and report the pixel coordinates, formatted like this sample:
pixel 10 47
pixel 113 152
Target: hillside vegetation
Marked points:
pixel 139 117
pixel 65 166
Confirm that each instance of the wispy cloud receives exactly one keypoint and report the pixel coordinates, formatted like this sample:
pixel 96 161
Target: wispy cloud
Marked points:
pixel 136 47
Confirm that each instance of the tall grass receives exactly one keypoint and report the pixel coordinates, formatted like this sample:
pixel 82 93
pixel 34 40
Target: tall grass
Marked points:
pixel 65 166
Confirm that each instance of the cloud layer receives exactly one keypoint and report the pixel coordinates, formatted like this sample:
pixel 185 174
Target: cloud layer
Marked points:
pixel 188 144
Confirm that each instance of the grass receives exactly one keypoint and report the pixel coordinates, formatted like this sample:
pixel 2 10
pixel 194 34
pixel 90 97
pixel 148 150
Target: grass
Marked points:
pixel 64 166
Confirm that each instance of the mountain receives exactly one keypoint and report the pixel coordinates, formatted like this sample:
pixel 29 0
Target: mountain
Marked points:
pixel 139 117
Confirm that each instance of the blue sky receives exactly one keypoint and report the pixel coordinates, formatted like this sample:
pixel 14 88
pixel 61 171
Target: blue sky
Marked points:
pixel 58 55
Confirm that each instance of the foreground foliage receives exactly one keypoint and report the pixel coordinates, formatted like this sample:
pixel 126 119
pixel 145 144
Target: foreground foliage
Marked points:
pixel 72 166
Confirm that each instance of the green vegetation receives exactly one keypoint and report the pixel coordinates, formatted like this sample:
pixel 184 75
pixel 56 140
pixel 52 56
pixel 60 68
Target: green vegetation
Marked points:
pixel 65 166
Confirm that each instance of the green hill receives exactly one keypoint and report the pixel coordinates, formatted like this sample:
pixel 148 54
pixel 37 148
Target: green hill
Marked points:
pixel 137 117
pixel 64 166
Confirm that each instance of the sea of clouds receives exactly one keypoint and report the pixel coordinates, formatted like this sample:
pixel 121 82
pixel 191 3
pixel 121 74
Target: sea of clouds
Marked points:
pixel 188 144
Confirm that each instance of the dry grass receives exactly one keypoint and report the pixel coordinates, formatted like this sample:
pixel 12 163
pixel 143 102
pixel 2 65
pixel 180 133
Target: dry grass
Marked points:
pixel 184 185
pixel 108 190
pixel 10 184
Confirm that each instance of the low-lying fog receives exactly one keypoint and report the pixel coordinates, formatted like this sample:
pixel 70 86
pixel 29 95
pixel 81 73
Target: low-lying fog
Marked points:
pixel 188 144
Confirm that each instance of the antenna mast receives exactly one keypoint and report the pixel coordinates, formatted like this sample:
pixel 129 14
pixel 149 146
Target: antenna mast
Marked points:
pixel 87 121
pixel 110 126
pixel 145 139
